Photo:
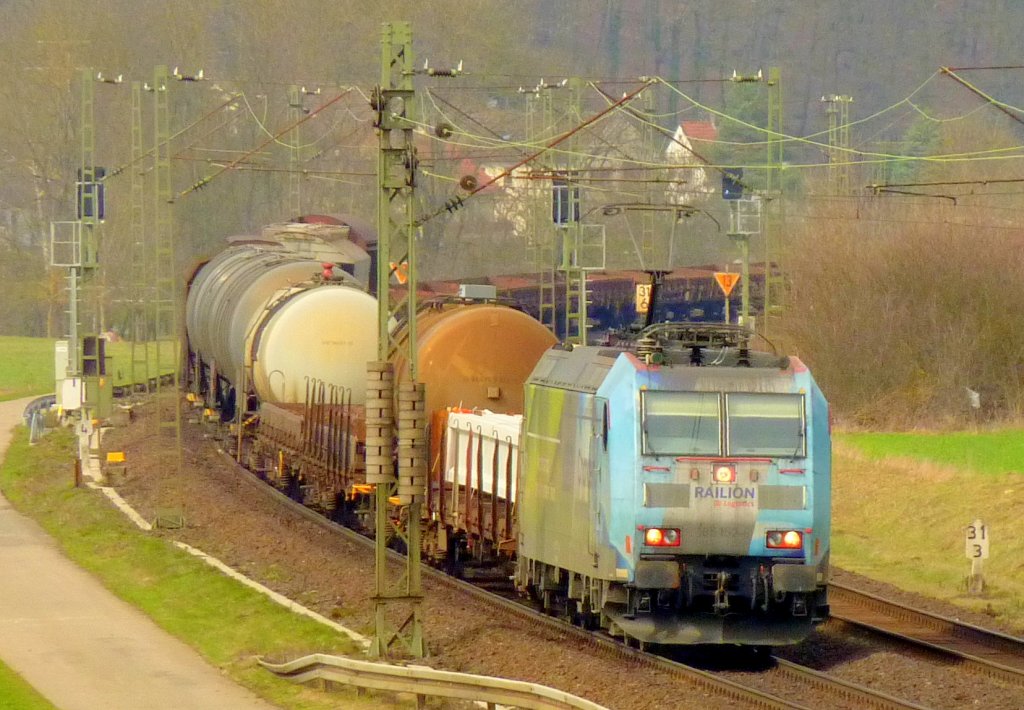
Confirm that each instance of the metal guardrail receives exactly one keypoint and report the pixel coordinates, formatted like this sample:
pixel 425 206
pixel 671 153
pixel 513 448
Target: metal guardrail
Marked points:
pixel 38 405
pixel 33 416
pixel 423 681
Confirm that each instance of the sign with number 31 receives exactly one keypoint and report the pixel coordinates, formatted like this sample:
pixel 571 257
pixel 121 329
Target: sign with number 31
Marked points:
pixel 977 541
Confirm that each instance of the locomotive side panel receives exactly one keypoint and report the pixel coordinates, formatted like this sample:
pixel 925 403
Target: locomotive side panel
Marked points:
pixel 564 466
pixel 568 479
pixel 821 452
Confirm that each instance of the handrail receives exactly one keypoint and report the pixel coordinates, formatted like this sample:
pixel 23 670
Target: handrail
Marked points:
pixel 421 680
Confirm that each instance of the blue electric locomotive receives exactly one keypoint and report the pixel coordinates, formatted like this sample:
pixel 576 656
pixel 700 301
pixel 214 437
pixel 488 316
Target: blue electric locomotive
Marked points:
pixel 677 490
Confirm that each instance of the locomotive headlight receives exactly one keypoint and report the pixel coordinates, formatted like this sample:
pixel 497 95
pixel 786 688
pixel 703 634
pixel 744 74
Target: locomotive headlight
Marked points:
pixel 662 537
pixel 724 474
pixel 784 539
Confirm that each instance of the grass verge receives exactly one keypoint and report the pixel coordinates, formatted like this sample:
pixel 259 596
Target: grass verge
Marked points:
pixel 901 503
pixel 228 623
pixel 16 693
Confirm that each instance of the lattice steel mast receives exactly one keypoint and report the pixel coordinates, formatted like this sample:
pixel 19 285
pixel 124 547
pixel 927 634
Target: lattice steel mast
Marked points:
pixel 394 104
pixel 167 283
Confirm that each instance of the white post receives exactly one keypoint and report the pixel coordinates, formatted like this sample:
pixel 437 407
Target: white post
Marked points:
pixel 977 540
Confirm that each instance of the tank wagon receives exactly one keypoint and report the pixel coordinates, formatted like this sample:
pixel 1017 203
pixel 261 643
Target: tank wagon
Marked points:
pixel 280 328
pixel 267 314
pixel 674 490
pixel 285 319
pixel 474 353
pixel 473 356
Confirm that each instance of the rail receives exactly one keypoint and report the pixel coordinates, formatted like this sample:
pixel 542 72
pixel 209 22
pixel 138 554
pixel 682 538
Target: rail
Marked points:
pixel 990 652
pixel 423 681
pixel 697 678
pixel 853 692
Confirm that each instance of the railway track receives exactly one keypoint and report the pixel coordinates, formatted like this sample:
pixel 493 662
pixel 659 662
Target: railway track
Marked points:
pixel 857 695
pixel 994 654
pixel 803 687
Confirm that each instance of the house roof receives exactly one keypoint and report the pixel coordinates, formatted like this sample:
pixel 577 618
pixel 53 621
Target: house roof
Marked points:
pixel 699 130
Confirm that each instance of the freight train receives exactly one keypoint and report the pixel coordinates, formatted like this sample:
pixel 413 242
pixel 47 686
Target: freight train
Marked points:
pixel 673 488
pixel 280 328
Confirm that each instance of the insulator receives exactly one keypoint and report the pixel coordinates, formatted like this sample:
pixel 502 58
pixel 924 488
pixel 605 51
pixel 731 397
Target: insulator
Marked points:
pixel 380 467
pixel 646 346
pixel 412 449
pixel 376 99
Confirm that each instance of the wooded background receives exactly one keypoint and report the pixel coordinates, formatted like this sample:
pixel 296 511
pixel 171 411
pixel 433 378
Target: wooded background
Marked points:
pixel 900 302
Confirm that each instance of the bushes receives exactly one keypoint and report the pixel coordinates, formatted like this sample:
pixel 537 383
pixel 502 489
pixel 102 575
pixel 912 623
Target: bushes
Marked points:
pixel 904 306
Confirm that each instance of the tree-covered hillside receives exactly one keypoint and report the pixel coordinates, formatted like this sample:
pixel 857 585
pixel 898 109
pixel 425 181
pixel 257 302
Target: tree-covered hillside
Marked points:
pixel 280 122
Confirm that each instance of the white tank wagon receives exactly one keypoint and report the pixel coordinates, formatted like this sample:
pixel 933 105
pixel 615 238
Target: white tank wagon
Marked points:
pixel 267 320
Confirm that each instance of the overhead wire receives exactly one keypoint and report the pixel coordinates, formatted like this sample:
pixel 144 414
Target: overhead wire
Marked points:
pixel 261 124
pixel 808 141
pixel 313 113
pixel 1004 107
pixel 456 202
pixel 121 168
pixel 879 220
pixel 866 157
pixel 470 139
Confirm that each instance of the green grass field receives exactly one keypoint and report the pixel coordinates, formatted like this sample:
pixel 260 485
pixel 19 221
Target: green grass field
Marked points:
pixel 901 503
pixel 996 451
pixel 27 365
pixel 228 623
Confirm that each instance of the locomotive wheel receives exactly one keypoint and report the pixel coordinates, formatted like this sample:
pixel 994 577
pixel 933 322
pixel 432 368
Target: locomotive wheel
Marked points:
pixel 572 612
pixel 548 602
pixel 588 620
